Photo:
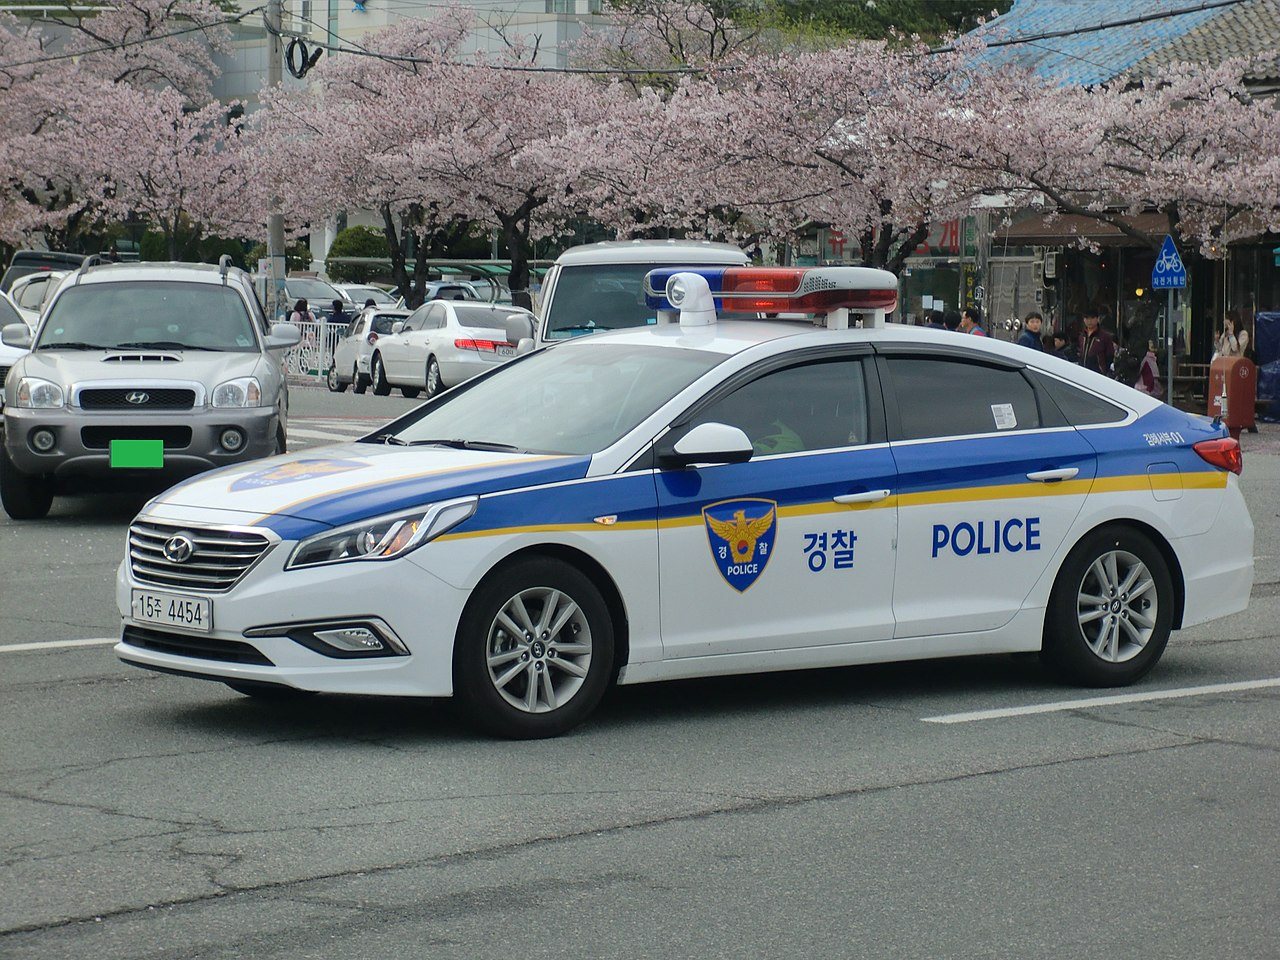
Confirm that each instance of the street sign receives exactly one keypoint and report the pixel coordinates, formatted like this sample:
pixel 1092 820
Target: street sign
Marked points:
pixel 1169 273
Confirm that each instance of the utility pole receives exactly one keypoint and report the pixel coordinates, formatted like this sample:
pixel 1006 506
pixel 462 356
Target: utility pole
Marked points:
pixel 276 304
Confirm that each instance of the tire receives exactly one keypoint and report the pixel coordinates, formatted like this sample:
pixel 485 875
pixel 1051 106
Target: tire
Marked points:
pixel 410 393
pixel 332 381
pixel 267 691
pixel 359 382
pixel 24 497
pixel 1095 635
pixel 378 377
pixel 495 697
pixel 282 440
pixel 434 384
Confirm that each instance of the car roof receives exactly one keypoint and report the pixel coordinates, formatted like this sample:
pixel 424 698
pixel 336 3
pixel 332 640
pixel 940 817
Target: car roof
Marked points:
pixel 653 251
pixel 149 270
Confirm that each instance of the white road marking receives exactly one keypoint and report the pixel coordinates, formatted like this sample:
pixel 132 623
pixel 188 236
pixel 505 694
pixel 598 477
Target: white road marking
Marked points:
pixel 295 433
pixel 1061 705
pixel 54 644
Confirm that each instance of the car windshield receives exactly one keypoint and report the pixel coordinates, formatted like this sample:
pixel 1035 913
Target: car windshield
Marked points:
pixel 453 291
pixel 567 401
pixel 485 316
pixel 600 296
pixel 160 314
pixel 383 322
pixel 315 292
pixel 361 294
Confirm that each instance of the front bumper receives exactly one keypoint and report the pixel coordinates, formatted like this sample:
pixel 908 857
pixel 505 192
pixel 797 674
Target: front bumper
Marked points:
pixel 421 610
pixel 83 436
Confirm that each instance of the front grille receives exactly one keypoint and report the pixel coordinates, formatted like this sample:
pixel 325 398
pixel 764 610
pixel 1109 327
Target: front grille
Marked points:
pixel 220 558
pixel 117 398
pixel 202 648
pixel 4 372
pixel 100 437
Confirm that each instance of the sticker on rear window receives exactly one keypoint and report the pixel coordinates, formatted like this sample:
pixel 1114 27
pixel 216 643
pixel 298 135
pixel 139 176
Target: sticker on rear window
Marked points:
pixel 1003 415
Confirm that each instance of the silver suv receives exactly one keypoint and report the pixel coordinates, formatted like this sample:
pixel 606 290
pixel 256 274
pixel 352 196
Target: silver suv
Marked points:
pixel 141 370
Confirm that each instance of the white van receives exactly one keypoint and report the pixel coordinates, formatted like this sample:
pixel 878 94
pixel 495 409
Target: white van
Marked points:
pixel 599 286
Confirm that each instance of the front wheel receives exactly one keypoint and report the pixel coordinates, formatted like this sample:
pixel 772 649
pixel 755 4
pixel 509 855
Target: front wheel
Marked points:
pixel 378 376
pixel 359 382
pixel 333 381
pixel 24 497
pixel 1111 610
pixel 534 650
pixel 410 393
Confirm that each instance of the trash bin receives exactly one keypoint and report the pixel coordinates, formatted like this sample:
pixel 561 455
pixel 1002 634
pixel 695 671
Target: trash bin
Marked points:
pixel 1233 387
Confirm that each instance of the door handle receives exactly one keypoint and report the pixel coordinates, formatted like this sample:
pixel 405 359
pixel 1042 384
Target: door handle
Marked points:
pixel 1053 476
pixel 870 496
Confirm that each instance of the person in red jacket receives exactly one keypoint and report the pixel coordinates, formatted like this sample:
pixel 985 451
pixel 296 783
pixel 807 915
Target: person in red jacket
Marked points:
pixel 1096 349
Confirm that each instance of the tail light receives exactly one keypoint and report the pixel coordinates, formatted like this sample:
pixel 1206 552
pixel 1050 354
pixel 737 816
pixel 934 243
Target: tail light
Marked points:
pixel 487 346
pixel 371 339
pixel 1223 453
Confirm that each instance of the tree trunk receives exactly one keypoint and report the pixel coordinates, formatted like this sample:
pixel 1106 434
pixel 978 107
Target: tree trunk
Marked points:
pixel 515 228
pixel 399 275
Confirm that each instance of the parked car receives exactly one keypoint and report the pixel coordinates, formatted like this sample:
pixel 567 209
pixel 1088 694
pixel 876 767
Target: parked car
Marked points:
pixel 25 262
pixel 359 293
pixel 318 293
pixel 599 286
pixel 9 314
pixel 350 364
pixel 32 292
pixel 443 343
pixel 137 370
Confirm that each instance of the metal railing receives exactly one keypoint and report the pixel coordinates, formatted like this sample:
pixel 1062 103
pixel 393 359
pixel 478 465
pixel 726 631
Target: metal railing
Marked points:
pixel 308 360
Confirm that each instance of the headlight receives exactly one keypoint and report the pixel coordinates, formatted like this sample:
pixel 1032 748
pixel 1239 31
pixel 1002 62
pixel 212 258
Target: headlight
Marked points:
pixel 245 392
pixel 382 538
pixel 36 393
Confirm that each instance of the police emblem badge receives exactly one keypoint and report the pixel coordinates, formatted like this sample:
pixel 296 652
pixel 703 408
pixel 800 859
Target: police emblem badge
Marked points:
pixel 741 534
pixel 294 472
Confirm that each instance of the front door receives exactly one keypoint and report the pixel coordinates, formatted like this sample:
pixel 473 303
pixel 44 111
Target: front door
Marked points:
pixel 793 548
pixel 987 490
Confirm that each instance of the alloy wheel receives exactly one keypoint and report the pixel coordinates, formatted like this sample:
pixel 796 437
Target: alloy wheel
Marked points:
pixel 1117 605
pixel 539 650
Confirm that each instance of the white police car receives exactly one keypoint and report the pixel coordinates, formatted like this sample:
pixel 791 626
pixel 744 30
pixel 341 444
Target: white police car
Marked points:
pixel 700 497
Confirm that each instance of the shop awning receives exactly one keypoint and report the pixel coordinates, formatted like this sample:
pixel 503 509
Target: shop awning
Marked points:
pixel 1042 230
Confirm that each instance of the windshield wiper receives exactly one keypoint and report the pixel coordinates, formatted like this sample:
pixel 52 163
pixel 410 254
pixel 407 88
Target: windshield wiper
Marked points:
pixel 161 345
pixel 465 444
pixel 582 326
pixel 72 345
pixel 390 438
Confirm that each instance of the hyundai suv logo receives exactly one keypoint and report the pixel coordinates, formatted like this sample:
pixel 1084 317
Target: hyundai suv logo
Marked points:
pixel 138 397
pixel 179 548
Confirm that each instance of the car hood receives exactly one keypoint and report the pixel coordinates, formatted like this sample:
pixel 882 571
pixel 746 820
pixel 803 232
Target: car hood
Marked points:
pixel 66 367
pixel 299 493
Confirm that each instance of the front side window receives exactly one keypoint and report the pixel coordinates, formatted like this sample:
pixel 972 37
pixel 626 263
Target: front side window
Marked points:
pixel 155 314
pixel 9 315
pixel 566 400
pixel 939 397
pixel 812 406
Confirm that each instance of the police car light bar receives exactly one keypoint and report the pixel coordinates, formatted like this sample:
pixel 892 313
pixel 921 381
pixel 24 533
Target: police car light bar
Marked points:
pixel 773 290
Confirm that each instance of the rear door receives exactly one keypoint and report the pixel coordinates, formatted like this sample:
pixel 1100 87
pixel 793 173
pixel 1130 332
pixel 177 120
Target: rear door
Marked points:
pixel 988 486
pixel 395 347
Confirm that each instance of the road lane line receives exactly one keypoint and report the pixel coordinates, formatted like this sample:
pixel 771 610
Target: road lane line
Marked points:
pixel 1062 705
pixel 55 644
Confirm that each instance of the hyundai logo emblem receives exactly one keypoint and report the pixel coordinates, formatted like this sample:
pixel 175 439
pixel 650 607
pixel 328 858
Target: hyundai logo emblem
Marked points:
pixel 179 548
pixel 137 397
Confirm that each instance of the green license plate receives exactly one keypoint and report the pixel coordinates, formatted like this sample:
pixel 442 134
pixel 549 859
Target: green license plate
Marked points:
pixel 136 454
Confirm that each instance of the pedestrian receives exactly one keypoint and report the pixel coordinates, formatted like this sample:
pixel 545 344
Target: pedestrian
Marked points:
pixel 933 320
pixel 370 303
pixel 1030 336
pixel 301 313
pixel 1230 343
pixel 339 314
pixel 1096 349
pixel 951 320
pixel 1149 373
pixel 971 321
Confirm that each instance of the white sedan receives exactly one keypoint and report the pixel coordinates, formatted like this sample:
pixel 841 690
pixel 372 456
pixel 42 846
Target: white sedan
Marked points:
pixel 442 344
pixel 705 497
pixel 350 363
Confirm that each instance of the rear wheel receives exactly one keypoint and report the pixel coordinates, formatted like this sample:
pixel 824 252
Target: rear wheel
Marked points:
pixel 333 381
pixel 24 497
pixel 434 384
pixel 378 376
pixel 534 652
pixel 359 382
pixel 1111 610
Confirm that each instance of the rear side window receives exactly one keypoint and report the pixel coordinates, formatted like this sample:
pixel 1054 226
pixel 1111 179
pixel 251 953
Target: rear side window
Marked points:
pixel 939 397
pixel 1080 408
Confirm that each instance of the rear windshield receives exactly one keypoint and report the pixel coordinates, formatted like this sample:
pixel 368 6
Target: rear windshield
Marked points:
pixel 485 316
pixel 383 322
pixel 157 314
pixel 453 292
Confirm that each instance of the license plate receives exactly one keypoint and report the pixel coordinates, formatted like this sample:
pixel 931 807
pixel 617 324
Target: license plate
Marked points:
pixel 506 351
pixel 173 610
pixel 137 454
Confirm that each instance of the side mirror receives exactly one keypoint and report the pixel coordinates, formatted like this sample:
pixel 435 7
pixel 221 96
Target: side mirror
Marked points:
pixel 397 326
pixel 283 336
pixel 524 345
pixel 519 327
pixel 16 335
pixel 706 443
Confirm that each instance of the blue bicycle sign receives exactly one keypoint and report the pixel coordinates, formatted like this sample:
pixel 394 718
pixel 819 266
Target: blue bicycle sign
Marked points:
pixel 1169 271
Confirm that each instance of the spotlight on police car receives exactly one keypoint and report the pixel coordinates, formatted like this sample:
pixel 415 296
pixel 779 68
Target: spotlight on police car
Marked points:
pixel 691 295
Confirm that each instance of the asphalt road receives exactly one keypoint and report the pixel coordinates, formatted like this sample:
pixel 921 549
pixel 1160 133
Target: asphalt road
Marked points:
pixel 825 813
